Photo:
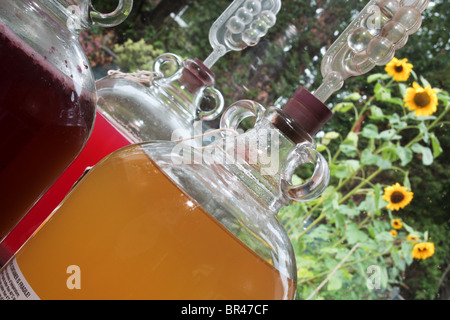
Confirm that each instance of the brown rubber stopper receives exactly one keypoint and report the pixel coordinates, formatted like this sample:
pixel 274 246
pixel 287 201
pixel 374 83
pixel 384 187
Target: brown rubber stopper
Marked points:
pixel 196 75
pixel 307 111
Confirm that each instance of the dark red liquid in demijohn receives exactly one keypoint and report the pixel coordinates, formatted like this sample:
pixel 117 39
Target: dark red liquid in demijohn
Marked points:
pixel 44 122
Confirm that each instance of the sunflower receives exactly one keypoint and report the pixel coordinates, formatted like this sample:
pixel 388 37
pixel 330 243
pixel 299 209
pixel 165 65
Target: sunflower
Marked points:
pixel 399 69
pixel 423 250
pixel 397 196
pixel 397 224
pixel 413 239
pixel 423 101
pixel 393 233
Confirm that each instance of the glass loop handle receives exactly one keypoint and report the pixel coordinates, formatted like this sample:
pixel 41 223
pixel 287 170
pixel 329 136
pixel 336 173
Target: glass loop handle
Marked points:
pixel 164 59
pixel 111 19
pixel 216 95
pixel 313 188
pixel 238 112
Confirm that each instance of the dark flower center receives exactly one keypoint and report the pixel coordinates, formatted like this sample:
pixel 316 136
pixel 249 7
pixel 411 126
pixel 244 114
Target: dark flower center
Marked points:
pixel 397 197
pixel 422 99
pixel 422 249
pixel 398 68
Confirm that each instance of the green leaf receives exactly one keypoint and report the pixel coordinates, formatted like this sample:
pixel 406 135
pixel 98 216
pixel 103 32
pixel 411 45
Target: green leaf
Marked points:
pixel 373 203
pixel 396 122
pixel 397 101
pixel 424 81
pixel 408 228
pixel 370 131
pixel 412 116
pixel 349 145
pixel 424 131
pixel 343 107
pixel 406 182
pixel 335 282
pixel 389 134
pixel 427 155
pixel 321 232
pixel 376 76
pixel 304 273
pixel 443 97
pixel 354 235
pixel 344 169
pixel 320 147
pixel 379 202
pixel 376 113
pixel 355 96
pixel 331 135
pixel 436 145
pixel 368 158
pixel 381 92
pixel 296 180
pixel 389 152
pixel 330 204
pixel 402 88
pixel 384 236
pixel 349 210
pixel 368 204
pixel 404 154
pixel 398 262
pixel 406 252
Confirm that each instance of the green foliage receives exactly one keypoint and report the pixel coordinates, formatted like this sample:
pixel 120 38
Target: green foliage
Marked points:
pixel 408 150
pixel 133 56
pixel 351 214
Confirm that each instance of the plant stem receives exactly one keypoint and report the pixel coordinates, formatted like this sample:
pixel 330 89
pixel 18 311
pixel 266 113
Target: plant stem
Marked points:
pixel 348 195
pixel 319 218
pixel 429 127
pixel 363 183
pixel 348 264
pixel 338 266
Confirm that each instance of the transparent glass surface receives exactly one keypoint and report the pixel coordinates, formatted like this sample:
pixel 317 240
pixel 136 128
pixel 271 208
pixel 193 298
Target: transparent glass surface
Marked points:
pixel 168 109
pixel 47 104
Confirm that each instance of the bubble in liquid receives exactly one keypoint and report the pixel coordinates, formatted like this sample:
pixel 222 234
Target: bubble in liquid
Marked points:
pixel 401 43
pixel 235 25
pixel 269 18
pixel 389 7
pixel 359 39
pixel 380 50
pixel 253 6
pixel 260 27
pixel 250 37
pixel 393 31
pixel 410 18
pixel 362 62
pixel 334 80
pixel 267 4
pixel 244 15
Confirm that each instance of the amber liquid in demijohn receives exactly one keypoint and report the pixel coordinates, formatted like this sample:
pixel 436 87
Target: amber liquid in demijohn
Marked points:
pixel 134 234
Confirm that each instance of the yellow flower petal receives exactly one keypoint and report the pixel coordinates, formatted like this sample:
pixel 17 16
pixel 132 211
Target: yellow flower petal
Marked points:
pixel 423 101
pixel 400 70
pixel 397 224
pixel 397 197
pixel 423 250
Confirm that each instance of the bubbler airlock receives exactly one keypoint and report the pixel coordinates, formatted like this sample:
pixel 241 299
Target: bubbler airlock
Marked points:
pixel 382 27
pixel 242 24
